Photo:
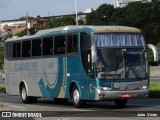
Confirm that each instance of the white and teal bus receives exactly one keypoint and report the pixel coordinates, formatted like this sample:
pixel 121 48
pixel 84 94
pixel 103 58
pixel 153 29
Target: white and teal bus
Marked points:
pixel 81 63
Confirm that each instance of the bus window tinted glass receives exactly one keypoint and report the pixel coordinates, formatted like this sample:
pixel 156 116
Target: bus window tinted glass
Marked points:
pixel 26 48
pixel 72 44
pixel 16 49
pixel 59 45
pixel 48 46
pixel 36 47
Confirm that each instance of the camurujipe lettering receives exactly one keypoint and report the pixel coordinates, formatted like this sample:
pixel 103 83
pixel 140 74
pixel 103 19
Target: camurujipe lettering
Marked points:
pixel 26 66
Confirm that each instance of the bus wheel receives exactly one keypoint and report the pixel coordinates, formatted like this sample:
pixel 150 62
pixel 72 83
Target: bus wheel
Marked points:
pixel 23 92
pixel 76 97
pixel 61 101
pixel 121 103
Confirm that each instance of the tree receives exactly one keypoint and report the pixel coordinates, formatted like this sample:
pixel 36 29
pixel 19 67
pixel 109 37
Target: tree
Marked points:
pixel 24 32
pixel 101 16
pixel 92 18
pixel 57 22
pixel 3 38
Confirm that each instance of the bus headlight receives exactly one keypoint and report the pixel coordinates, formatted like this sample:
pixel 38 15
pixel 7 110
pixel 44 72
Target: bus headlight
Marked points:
pixel 143 87
pixel 104 88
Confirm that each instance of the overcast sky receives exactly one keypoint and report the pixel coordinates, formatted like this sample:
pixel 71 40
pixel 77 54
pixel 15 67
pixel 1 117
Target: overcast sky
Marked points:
pixel 14 9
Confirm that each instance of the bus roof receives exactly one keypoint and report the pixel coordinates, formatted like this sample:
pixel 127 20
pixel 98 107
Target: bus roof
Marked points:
pixel 95 29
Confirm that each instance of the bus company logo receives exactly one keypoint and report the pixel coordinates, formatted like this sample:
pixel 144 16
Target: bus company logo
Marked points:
pixel 125 88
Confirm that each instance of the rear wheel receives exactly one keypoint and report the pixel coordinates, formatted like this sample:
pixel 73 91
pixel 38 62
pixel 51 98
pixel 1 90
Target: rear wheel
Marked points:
pixel 121 103
pixel 76 97
pixel 25 98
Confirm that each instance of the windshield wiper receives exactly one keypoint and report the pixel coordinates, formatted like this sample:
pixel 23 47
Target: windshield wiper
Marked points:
pixel 134 71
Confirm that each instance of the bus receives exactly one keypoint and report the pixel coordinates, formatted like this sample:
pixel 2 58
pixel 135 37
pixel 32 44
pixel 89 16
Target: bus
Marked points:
pixel 79 63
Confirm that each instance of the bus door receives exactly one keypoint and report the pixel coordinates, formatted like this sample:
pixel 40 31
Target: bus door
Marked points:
pixel 87 64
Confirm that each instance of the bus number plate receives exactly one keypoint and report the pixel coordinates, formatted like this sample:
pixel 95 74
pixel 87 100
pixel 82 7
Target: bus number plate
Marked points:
pixel 126 95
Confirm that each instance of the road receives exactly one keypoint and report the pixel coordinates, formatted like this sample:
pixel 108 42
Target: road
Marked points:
pixel 91 111
pixel 155 78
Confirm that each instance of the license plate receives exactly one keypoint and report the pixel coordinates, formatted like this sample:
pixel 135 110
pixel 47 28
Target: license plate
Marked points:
pixel 126 95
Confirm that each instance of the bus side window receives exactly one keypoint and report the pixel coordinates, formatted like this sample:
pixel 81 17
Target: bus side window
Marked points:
pixel 48 46
pixel 26 48
pixel 16 49
pixel 72 43
pixel 36 47
pixel 59 45
pixel 8 50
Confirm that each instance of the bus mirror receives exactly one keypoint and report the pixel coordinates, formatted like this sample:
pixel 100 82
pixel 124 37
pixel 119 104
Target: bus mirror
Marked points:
pixel 155 52
pixel 94 55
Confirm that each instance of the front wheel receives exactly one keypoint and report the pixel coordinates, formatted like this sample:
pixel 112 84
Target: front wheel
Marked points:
pixel 121 103
pixel 76 97
pixel 25 98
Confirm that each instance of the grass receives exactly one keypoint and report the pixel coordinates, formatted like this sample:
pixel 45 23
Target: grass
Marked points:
pixel 154 90
pixel 2 88
pixel 1 105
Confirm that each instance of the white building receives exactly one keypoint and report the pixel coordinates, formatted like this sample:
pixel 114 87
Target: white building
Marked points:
pixel 89 10
pixel 123 3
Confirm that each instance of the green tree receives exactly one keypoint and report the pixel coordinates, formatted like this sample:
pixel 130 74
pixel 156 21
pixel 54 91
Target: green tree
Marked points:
pixel 2 41
pixel 92 18
pixel 101 16
pixel 57 22
pixel 138 13
pixel 24 32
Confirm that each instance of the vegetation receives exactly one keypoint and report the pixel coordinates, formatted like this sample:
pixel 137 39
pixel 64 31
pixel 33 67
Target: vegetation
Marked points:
pixel 24 32
pixel 145 16
pixel 154 90
pixel 2 40
pixel 2 88
pixel 57 22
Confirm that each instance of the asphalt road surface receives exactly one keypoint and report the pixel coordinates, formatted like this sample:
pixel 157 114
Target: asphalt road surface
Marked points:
pixel 92 111
pixel 155 78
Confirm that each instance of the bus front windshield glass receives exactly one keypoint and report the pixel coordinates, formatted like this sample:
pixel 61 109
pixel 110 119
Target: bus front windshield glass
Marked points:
pixel 119 63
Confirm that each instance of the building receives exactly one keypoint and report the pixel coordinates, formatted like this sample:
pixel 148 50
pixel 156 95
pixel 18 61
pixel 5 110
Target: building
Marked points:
pixel 89 10
pixel 37 23
pixel 123 3
pixel 13 26
pixel 16 26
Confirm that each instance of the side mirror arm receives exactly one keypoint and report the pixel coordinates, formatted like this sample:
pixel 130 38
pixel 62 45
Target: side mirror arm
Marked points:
pixel 155 52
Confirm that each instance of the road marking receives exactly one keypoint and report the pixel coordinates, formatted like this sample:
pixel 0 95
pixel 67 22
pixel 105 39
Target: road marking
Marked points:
pixel 14 106
pixel 144 105
pixel 82 110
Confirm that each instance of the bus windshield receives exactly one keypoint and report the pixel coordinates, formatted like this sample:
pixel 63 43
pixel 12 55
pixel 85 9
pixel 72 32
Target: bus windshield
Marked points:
pixel 118 63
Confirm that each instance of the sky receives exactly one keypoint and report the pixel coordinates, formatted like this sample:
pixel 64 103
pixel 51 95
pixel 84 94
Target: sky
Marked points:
pixel 14 9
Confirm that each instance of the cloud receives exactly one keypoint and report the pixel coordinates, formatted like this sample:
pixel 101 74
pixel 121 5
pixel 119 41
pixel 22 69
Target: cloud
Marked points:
pixel 4 3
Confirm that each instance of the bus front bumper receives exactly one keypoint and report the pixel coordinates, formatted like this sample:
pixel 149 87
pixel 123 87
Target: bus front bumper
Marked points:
pixel 113 95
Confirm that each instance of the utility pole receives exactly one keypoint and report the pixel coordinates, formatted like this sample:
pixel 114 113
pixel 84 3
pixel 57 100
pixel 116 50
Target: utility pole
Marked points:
pixel 76 12
pixel 28 33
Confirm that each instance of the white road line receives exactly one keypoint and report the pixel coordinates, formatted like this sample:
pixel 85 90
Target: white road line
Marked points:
pixel 145 105
pixel 14 106
pixel 82 110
